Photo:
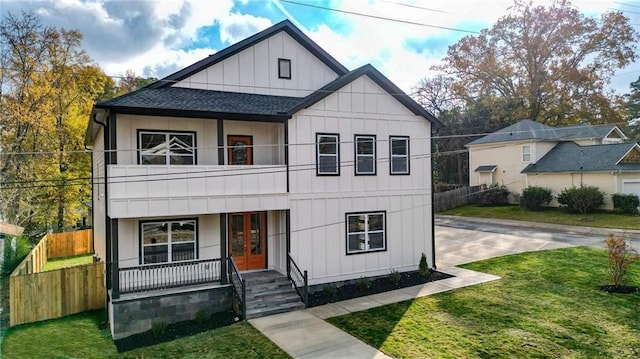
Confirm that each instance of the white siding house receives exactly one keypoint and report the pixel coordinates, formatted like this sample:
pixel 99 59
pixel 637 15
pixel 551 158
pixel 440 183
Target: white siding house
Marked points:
pixel 267 156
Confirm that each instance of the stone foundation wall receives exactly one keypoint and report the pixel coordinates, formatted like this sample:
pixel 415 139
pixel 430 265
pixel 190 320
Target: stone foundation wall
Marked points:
pixel 137 314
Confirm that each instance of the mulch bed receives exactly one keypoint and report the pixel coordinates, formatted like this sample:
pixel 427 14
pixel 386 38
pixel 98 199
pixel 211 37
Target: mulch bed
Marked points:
pixel 378 285
pixel 174 331
pixel 620 289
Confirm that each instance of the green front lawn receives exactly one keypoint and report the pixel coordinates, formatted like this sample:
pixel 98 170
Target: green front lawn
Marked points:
pixel 549 215
pixel 78 336
pixel 547 304
pixel 57 263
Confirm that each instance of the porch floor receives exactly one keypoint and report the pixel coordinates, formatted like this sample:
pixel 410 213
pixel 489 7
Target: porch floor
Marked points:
pixel 168 291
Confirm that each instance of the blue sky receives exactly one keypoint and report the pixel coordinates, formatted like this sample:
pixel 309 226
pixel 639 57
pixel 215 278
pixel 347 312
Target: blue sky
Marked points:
pixel 156 38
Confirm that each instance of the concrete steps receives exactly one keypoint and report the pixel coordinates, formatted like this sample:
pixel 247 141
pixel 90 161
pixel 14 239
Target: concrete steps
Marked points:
pixel 270 293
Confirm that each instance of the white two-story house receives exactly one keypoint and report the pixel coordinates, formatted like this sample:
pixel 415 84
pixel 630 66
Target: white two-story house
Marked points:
pixel 266 156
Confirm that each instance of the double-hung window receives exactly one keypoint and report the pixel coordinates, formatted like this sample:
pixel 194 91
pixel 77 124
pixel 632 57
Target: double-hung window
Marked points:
pixel 166 148
pixel 168 241
pixel 399 155
pixel 327 154
pixel 366 232
pixel 365 154
pixel 526 153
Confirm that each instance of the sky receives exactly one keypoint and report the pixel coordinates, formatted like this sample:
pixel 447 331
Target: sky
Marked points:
pixel 157 38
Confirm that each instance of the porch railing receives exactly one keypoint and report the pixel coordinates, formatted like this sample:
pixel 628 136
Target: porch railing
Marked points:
pixel 239 288
pixel 299 280
pixel 168 275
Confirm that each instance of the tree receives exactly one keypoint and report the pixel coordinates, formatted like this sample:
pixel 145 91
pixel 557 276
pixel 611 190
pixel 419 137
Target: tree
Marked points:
pixel 130 82
pixel 548 63
pixel 633 107
pixel 49 85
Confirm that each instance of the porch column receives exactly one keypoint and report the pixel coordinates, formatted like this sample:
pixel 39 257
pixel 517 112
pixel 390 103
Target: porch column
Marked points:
pixel 287 225
pixel 286 149
pixel 115 277
pixel 220 124
pixel 223 249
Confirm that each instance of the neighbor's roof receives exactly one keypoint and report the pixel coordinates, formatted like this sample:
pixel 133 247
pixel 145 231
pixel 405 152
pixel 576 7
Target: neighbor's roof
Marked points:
pixel 531 130
pixel 10 229
pixel 571 157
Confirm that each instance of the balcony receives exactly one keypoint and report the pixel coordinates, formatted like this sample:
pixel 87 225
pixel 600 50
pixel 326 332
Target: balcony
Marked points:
pixel 137 191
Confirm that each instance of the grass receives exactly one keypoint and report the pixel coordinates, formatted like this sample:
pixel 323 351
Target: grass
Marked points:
pixel 549 215
pixel 57 263
pixel 78 336
pixel 546 305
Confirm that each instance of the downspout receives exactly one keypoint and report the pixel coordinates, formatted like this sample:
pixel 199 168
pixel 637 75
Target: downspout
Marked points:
pixel 93 236
pixel 106 227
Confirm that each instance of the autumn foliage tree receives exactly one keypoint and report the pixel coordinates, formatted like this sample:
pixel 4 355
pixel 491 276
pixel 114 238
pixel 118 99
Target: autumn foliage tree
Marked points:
pixel 49 84
pixel 546 63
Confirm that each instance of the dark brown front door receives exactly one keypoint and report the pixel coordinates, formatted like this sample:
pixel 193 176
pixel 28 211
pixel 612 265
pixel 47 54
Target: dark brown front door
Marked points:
pixel 240 150
pixel 247 239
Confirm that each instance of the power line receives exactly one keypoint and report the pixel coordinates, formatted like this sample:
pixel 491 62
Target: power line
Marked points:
pixel 379 17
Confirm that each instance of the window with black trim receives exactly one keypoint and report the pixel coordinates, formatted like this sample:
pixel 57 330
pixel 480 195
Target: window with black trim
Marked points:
pixel 168 241
pixel 166 148
pixel 365 154
pixel 399 155
pixel 327 154
pixel 284 69
pixel 366 232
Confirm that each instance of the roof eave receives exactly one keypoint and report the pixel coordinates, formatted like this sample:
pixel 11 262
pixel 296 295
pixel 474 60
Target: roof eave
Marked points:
pixel 280 117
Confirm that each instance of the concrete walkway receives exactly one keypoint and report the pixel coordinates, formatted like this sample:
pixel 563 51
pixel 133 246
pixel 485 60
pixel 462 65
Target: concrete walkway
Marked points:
pixel 304 333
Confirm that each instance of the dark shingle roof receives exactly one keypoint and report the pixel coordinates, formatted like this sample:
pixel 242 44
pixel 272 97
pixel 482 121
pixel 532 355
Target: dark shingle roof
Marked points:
pixel 531 130
pixel 205 102
pixel 571 157
pixel 487 168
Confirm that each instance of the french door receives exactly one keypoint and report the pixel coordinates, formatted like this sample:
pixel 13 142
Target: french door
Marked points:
pixel 247 239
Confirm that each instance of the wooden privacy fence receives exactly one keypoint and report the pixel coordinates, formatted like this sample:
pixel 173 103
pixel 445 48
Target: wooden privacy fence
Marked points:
pixel 69 244
pixel 450 199
pixel 47 295
pixel 35 295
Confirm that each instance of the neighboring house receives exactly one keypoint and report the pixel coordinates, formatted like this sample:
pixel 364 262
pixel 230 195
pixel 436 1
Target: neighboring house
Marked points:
pixel 528 153
pixel 269 152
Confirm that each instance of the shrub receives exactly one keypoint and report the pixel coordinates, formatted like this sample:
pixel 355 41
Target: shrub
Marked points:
pixel 202 317
pixel 423 268
pixel 363 284
pixel 330 290
pixel 621 255
pixel 12 256
pixel 534 198
pixel 584 199
pixel 625 203
pixel 159 328
pixel 395 277
pixel 495 195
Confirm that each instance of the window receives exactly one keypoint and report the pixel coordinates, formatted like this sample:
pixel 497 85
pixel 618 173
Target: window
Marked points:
pixel 327 154
pixel 166 148
pixel 399 155
pixel 526 153
pixel 366 232
pixel 168 241
pixel 284 69
pixel 365 146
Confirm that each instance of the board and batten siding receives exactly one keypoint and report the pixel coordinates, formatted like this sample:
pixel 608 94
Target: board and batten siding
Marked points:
pixel 99 198
pixel 255 70
pixel 319 203
pixel 129 238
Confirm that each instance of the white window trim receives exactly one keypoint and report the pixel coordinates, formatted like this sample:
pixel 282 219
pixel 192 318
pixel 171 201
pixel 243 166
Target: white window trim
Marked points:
pixel 169 243
pixel 406 156
pixel 522 153
pixel 336 137
pixel 373 156
pixel 366 232
pixel 168 154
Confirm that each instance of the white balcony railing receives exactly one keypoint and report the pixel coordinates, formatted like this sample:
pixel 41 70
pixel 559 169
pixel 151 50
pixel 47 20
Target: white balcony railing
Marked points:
pixel 144 190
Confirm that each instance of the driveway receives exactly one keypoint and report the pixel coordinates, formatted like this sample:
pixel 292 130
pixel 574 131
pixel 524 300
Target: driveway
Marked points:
pixel 462 239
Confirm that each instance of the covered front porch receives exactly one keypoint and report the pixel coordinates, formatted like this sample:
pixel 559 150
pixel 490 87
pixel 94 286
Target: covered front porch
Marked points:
pixel 156 254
